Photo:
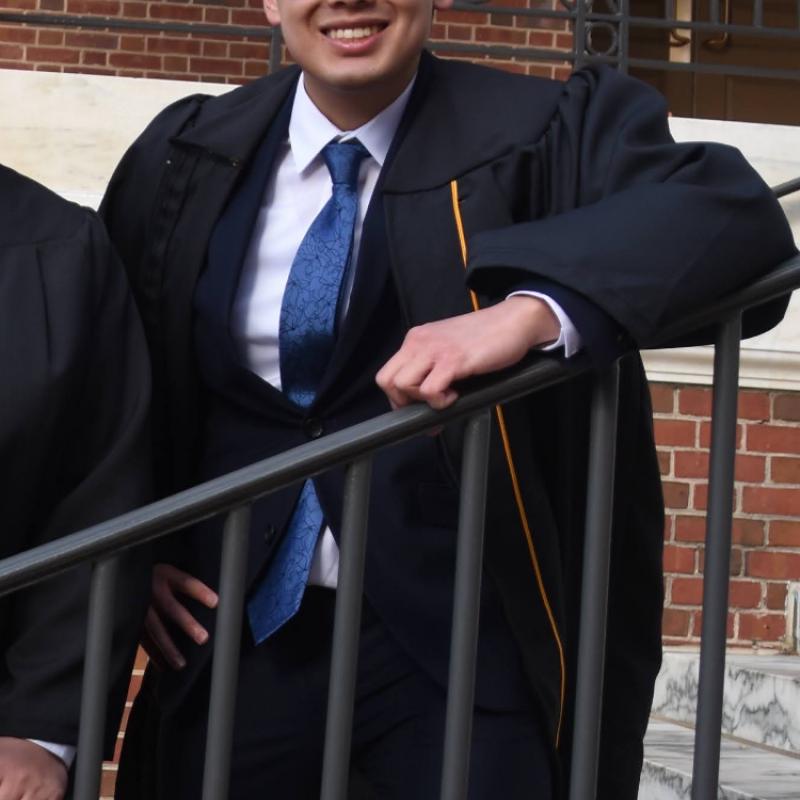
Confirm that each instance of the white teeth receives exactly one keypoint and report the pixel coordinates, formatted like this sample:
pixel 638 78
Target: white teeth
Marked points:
pixel 352 33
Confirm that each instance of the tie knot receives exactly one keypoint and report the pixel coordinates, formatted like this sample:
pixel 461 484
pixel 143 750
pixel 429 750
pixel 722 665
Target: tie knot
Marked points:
pixel 343 160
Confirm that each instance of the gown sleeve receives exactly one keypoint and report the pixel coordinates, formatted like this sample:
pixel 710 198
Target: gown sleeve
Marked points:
pixel 644 228
pixel 74 449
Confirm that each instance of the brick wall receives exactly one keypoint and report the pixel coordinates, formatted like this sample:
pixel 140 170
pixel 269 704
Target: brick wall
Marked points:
pixel 766 529
pixel 226 59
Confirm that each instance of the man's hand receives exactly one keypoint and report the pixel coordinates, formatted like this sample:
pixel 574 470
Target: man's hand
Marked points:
pixel 168 583
pixel 434 356
pixel 29 772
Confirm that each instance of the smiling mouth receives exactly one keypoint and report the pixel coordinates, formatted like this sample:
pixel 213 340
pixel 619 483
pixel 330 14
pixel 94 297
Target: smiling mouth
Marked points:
pixel 353 33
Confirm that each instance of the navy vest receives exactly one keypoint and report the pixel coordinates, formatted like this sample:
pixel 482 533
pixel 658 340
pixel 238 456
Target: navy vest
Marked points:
pixel 414 504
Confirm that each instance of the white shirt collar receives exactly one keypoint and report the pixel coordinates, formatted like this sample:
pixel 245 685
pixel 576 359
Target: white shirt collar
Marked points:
pixel 310 130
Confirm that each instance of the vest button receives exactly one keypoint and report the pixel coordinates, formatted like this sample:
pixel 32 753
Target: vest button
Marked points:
pixel 313 427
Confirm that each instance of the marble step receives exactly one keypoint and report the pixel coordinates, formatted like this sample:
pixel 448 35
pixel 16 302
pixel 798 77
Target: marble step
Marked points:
pixel 761 697
pixel 747 771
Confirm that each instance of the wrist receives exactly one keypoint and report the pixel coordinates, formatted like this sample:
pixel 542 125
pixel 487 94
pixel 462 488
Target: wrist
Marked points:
pixel 535 318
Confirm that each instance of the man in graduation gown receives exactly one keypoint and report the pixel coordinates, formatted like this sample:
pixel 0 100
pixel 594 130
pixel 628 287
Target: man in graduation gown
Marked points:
pixel 581 226
pixel 74 395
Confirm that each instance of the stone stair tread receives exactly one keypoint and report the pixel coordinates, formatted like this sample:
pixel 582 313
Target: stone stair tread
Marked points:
pixel 761 696
pixel 747 771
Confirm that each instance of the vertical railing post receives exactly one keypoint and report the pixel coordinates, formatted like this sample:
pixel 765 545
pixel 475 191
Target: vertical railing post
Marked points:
pixel 594 586
pixel 99 634
pixel 227 642
pixel 717 561
pixel 466 607
pixel 346 631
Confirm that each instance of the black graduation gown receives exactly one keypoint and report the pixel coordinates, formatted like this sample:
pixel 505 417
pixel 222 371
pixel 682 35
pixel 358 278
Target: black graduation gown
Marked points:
pixel 74 395
pixel 576 188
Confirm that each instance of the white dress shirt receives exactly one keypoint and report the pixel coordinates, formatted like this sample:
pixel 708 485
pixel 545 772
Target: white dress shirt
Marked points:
pixel 299 187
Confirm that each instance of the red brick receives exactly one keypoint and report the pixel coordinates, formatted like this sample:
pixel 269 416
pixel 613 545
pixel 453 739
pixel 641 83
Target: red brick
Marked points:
pixel 697 624
pixel 785 470
pixel 690 529
pixel 11 51
pixel 215 49
pixel 500 35
pixel 668 527
pixel 774 565
pixel 748 532
pixel 249 50
pixel 679 559
pixel 22 5
pixel 753 405
pixel 675 622
pixel 158 44
pixel 221 16
pixel 15 65
pixel 765 500
pixel 687 591
pixel 176 12
pixel 462 17
pixel 564 41
pixel 676 495
pixel 545 39
pixel 108 782
pixel 51 38
pixel 678 433
pixel 787 406
pixel 215 67
pixel 461 33
pixel 784 533
pixel 705 435
pixel 664 461
pixel 18 34
pixel 134 10
pixel 691 464
pixel 132 44
pixel 51 5
pixel 101 8
pixel 53 55
pixel 776 596
pixel 773 439
pixel 135 61
pixel 250 18
pixel 96 41
pixel 750 469
pixel 94 58
pixel 762 627
pixel 695 402
pixel 694 464
pixel 176 64
pixel 735 563
pixel 141 659
pixel 744 594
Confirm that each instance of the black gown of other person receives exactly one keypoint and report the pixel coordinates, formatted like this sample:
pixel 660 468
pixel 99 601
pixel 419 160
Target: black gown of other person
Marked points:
pixel 74 394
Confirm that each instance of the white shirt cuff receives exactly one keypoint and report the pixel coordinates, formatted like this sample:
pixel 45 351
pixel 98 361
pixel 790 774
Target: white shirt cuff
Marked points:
pixel 66 752
pixel 568 338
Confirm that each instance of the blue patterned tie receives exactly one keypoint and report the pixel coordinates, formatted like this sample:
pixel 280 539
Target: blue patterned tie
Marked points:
pixel 306 340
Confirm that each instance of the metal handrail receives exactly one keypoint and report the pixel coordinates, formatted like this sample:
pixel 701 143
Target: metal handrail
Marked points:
pixel 353 446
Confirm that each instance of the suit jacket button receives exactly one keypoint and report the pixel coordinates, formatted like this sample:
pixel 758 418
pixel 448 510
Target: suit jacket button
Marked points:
pixel 313 427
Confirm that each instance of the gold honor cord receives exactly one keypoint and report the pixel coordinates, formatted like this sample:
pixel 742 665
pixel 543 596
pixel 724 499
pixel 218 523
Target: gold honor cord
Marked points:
pixel 501 422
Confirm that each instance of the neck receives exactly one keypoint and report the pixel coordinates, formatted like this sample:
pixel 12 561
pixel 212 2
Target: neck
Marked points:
pixel 349 109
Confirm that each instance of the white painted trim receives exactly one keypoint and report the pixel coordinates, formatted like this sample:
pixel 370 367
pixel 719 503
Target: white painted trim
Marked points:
pixel 759 369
